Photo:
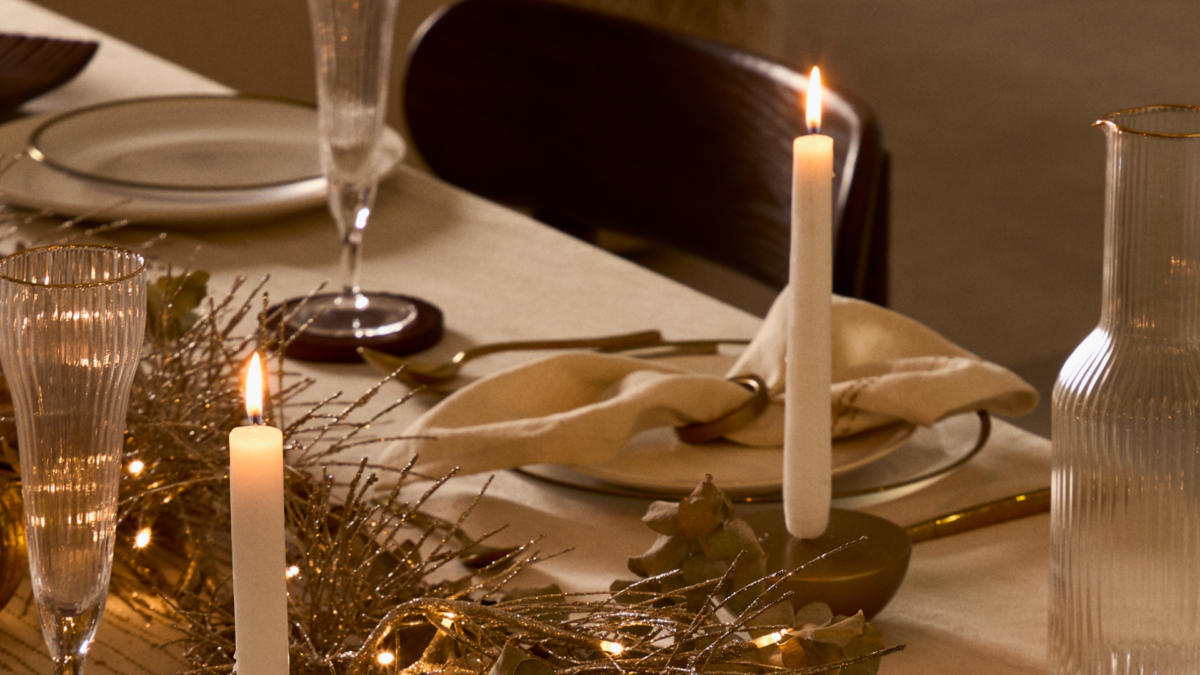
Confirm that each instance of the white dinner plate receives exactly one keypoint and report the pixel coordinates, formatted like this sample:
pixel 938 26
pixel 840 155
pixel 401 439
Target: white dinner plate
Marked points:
pixel 657 462
pixel 889 463
pixel 177 160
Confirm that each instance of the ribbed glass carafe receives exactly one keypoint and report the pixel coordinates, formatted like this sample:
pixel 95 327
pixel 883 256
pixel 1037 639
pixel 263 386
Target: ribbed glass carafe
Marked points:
pixel 1125 521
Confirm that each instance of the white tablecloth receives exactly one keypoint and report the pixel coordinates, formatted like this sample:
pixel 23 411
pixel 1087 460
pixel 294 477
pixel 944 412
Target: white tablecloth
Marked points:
pixel 975 603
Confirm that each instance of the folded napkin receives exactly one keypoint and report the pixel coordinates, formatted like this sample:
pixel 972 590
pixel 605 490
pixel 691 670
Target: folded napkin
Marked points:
pixel 582 408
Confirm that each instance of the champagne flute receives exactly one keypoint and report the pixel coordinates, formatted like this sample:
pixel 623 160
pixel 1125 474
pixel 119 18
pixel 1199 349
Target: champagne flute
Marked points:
pixel 72 323
pixel 352 43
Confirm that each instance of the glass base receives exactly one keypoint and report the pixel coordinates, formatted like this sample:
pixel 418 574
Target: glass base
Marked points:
pixel 422 332
pixel 69 632
pixel 365 315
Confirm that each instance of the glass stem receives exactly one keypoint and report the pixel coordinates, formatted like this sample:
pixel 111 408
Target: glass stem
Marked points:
pixel 69 664
pixel 351 208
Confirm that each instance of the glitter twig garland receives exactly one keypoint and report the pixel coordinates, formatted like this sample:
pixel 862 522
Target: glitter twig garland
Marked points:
pixel 376 585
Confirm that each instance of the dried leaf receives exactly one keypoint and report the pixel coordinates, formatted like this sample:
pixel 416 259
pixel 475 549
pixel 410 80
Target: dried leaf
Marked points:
pixel 645 591
pixel 817 613
pixel 732 537
pixel 478 556
pixel 698 568
pixel 663 518
pixel 749 572
pixel 513 661
pixel 870 641
pixel 548 591
pixel 703 510
pixel 839 632
pixel 801 653
pixel 171 304
pixel 665 555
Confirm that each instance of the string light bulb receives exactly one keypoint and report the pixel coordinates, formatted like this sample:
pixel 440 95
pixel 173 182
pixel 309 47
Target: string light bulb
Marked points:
pixel 143 538
pixel 769 639
pixel 385 658
pixel 613 648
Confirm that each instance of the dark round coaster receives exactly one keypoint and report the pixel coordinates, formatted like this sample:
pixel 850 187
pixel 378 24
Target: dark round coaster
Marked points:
pixel 424 332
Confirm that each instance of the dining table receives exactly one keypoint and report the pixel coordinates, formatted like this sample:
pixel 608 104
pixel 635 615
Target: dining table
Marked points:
pixel 976 602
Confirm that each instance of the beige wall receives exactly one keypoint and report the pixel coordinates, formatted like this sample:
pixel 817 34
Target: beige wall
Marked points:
pixel 263 46
pixel 255 46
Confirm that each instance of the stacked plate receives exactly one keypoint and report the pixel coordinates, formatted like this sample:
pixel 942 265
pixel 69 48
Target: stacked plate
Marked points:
pixel 196 159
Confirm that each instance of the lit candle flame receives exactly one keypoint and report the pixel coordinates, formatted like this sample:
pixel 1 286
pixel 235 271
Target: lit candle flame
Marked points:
pixel 254 390
pixel 769 639
pixel 813 101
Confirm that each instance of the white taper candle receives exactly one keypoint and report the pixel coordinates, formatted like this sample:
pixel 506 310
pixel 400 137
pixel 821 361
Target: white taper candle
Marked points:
pixel 259 559
pixel 807 453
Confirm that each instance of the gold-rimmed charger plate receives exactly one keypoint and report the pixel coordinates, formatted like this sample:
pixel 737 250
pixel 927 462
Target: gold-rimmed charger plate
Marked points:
pixel 192 143
pixel 185 199
pixel 926 456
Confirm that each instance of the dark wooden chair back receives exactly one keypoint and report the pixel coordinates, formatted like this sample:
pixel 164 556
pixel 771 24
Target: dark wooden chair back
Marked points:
pixel 593 121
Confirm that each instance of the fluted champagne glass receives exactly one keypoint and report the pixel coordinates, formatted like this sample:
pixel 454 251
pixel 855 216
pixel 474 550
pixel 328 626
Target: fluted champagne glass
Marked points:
pixel 352 43
pixel 72 320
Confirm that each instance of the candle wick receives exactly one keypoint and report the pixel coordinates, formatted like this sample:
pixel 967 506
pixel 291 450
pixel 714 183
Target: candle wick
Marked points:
pixel 256 418
pixel 814 128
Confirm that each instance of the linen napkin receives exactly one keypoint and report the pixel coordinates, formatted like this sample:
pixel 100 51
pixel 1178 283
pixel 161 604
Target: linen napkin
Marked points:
pixel 582 408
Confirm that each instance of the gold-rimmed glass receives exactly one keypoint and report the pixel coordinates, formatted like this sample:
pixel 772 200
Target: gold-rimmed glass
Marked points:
pixel 72 323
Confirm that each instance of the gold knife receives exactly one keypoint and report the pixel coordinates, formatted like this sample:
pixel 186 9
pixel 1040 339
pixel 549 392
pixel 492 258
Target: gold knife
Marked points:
pixel 991 513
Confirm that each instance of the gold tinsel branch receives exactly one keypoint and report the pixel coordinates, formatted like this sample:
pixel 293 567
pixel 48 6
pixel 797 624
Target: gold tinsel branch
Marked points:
pixel 376 584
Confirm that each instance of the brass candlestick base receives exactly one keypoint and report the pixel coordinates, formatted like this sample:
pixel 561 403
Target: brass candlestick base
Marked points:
pixel 864 575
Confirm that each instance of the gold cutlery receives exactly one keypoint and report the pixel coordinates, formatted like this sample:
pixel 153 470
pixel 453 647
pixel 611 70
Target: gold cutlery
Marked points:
pixel 991 513
pixel 861 560
pixel 419 373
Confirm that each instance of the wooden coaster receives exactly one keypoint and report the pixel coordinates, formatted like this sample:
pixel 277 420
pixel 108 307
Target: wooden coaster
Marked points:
pixel 424 332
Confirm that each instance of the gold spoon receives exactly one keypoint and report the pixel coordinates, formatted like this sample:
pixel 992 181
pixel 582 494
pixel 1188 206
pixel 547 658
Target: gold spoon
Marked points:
pixel 416 373
pixel 865 575
pixel 644 348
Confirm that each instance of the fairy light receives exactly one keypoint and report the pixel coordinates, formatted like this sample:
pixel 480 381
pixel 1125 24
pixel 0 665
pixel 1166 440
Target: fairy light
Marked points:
pixel 143 538
pixel 448 620
pixel 292 572
pixel 768 640
pixel 136 466
pixel 385 658
pixel 613 648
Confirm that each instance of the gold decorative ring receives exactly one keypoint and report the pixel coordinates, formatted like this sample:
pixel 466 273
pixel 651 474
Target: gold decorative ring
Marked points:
pixel 738 418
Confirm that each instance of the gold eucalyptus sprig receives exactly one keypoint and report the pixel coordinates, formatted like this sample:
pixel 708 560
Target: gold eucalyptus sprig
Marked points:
pixel 701 542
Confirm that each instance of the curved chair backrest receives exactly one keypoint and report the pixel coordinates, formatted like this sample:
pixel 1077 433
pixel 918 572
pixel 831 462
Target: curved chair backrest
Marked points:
pixel 593 121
